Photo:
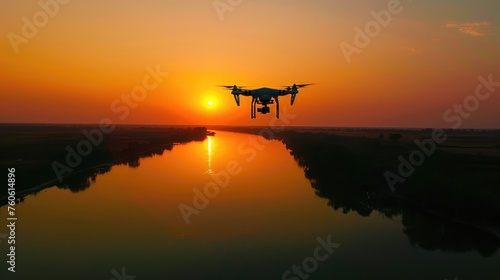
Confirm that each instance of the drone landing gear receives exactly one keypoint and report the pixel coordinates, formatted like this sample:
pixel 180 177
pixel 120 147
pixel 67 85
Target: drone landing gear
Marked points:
pixel 253 107
pixel 277 107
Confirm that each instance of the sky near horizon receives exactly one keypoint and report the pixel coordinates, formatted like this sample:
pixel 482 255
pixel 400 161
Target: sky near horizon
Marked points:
pixel 83 59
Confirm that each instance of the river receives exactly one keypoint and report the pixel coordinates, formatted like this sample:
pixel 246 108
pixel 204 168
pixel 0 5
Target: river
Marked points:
pixel 264 221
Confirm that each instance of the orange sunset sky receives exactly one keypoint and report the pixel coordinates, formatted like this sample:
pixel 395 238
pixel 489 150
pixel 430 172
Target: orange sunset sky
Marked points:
pixel 84 56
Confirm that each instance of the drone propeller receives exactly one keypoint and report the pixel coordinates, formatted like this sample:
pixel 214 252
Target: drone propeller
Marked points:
pixel 232 87
pixel 298 86
pixel 304 85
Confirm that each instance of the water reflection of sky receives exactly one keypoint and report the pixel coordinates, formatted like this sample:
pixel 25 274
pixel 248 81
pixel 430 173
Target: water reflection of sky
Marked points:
pixel 266 220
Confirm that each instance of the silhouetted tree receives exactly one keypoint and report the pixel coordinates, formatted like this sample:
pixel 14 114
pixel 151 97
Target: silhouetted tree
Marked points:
pixel 395 137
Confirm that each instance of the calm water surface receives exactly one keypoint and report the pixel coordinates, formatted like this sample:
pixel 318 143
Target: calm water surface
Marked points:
pixel 264 222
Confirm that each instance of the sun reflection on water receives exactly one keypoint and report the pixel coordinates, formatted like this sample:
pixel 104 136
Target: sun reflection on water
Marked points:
pixel 209 153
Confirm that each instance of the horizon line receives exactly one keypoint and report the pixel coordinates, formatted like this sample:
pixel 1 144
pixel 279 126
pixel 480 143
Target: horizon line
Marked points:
pixel 226 125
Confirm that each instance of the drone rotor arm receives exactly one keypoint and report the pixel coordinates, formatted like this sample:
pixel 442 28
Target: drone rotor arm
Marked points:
pixel 237 99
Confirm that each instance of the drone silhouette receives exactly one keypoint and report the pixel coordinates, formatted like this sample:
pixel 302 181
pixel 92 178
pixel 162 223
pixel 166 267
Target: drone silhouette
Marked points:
pixel 264 96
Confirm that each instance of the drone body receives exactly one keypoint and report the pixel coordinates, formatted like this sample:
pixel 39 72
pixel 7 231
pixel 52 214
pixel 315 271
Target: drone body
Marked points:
pixel 264 96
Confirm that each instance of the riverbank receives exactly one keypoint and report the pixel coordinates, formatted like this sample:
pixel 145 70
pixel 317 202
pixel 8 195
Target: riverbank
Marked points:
pixel 71 156
pixel 349 168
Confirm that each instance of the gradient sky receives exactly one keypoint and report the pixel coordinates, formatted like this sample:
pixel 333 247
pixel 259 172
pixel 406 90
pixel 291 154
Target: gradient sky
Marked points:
pixel 91 52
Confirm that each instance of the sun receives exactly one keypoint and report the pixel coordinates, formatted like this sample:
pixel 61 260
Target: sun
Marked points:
pixel 209 100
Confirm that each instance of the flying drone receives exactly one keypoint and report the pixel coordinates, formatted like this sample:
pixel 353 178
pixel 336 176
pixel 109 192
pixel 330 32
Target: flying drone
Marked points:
pixel 264 96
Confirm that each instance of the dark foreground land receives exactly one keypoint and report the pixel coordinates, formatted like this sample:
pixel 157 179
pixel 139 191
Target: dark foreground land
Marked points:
pixel 71 156
pixel 449 200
